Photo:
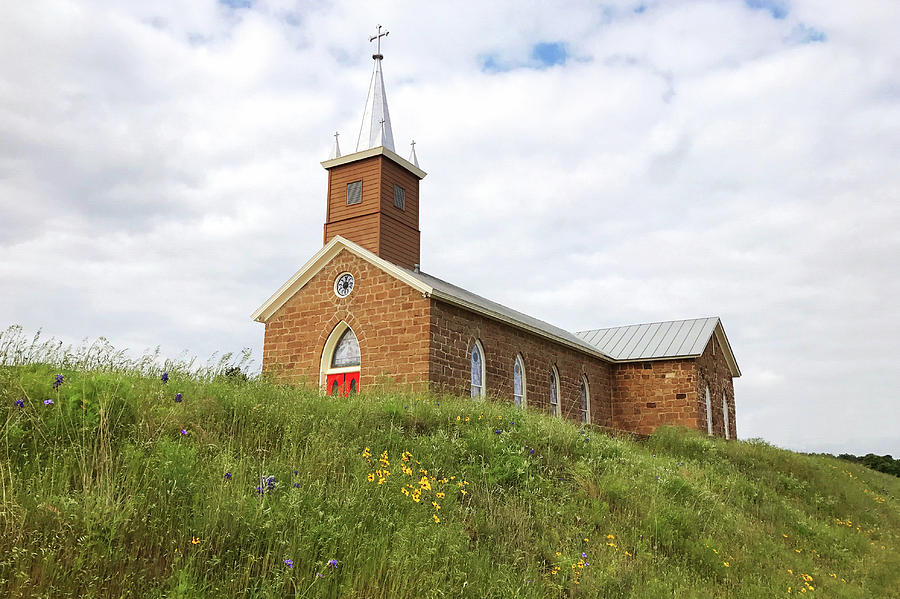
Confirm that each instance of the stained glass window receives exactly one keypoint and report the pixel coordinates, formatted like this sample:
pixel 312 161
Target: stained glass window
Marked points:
pixel 554 394
pixel 725 413
pixel 477 371
pixel 518 382
pixel 346 352
pixel 585 402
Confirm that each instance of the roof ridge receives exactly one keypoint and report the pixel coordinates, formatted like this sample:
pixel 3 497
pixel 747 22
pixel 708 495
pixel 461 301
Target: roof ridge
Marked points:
pixel 640 324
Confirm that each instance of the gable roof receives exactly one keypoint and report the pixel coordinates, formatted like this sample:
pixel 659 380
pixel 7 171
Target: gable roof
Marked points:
pixel 426 284
pixel 661 340
pixel 602 343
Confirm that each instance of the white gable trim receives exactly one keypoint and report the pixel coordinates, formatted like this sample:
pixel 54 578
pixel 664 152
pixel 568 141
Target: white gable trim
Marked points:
pixel 318 262
pixel 725 346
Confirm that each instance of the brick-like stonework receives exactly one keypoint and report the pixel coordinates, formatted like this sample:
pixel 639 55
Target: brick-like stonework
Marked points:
pixel 415 342
pixel 712 370
pixel 390 320
pixel 649 394
pixel 454 330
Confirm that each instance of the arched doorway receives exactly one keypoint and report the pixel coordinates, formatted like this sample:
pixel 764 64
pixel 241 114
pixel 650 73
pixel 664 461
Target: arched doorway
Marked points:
pixel 340 362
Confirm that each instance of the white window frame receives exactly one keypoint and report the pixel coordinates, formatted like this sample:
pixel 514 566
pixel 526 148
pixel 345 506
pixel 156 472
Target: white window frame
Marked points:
pixel 524 395
pixel 709 430
pixel 586 408
pixel 555 409
pixel 328 352
pixel 725 414
pixel 481 393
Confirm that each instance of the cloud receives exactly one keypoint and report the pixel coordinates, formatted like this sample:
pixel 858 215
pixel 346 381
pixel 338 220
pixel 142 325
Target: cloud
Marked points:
pixel 160 177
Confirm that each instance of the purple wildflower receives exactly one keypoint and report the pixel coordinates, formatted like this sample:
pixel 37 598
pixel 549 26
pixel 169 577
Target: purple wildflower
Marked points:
pixel 497 431
pixel 289 563
pixel 58 381
pixel 531 451
pixel 178 398
pixel 583 554
pixel 184 432
pixel 20 403
pixel 587 563
pixel 296 472
pixel 586 439
pixel 296 485
pixel 48 402
pixel 332 563
pixel 228 476
pixel 319 575
pixel 164 378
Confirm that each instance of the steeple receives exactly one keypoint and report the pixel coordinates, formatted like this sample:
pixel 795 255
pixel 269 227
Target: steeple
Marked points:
pixel 376 124
pixel 373 194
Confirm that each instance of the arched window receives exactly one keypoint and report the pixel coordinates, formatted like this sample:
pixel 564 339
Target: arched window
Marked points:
pixel 708 413
pixel 725 414
pixel 341 362
pixel 554 392
pixel 585 400
pixel 346 352
pixel 477 366
pixel 519 382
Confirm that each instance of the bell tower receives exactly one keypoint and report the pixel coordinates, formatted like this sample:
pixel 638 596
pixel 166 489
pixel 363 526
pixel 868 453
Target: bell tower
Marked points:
pixel 373 193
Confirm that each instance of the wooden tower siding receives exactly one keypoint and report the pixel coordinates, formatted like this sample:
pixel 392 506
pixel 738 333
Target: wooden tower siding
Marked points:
pixel 375 223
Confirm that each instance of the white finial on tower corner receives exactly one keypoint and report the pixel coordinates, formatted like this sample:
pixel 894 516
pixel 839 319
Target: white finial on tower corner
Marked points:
pixel 336 148
pixel 376 125
pixel 412 153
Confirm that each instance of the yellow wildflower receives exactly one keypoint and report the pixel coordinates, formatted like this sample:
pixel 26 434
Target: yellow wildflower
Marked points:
pixel 610 536
pixel 405 491
pixel 628 554
pixel 439 495
pixel 366 453
pixel 423 482
pixel 467 418
pixel 436 519
pixel 194 540
pixel 790 571
pixel 458 418
pixel 371 477
pixel 436 505
pixel 726 564
pixel 586 540
pixel 558 553
pixel 463 491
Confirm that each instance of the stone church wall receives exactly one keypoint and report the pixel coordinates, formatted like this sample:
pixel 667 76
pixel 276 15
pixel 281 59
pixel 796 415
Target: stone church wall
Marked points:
pixel 712 370
pixel 454 330
pixel 649 394
pixel 390 320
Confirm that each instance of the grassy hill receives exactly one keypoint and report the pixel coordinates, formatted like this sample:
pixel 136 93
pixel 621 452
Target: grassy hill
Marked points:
pixel 252 489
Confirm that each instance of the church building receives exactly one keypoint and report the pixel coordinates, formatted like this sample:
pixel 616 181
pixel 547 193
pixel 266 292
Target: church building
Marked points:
pixel 362 313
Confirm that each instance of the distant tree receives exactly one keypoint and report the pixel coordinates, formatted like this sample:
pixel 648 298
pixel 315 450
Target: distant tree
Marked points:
pixel 881 463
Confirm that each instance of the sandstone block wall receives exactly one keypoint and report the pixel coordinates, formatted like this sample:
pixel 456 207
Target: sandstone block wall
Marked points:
pixel 454 331
pixel 649 394
pixel 389 318
pixel 712 370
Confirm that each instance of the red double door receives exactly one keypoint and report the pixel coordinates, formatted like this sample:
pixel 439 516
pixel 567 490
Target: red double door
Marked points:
pixel 342 383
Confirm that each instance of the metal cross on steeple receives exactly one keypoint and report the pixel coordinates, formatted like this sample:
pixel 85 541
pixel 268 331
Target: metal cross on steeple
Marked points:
pixel 376 124
pixel 377 39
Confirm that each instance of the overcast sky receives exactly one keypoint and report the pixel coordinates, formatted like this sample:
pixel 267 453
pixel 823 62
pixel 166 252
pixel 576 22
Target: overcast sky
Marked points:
pixel 590 164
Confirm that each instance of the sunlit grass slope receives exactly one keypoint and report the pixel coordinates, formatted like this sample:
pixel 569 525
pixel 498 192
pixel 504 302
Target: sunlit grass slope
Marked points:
pixel 248 489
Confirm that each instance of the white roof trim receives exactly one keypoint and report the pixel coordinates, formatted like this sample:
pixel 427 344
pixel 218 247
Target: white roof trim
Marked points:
pixel 450 299
pixel 379 151
pixel 317 262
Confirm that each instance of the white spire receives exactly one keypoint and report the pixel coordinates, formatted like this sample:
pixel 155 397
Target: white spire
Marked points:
pixel 336 148
pixel 376 124
pixel 412 153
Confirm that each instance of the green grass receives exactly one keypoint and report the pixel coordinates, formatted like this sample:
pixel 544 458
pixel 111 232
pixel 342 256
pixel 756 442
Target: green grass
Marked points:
pixel 102 495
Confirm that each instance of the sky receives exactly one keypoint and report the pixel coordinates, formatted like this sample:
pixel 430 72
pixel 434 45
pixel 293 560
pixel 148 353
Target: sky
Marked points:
pixel 590 164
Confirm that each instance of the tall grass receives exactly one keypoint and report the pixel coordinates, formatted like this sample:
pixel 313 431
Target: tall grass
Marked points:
pixel 103 495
